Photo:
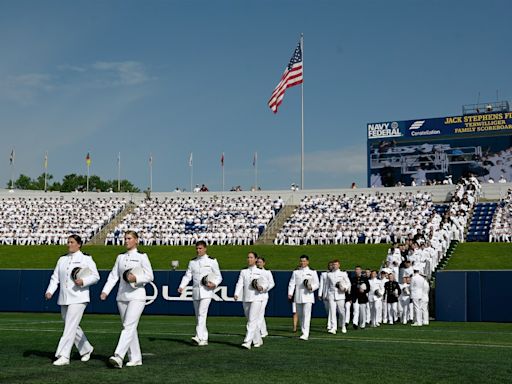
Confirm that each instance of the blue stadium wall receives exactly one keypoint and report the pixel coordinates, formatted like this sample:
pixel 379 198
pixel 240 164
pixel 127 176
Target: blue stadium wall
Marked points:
pixel 473 296
pixel 27 288
pixel 460 296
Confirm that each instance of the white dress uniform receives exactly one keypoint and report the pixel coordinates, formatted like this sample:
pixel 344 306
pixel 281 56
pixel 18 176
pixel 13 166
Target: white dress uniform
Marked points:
pixel 417 287
pixel 404 303
pixel 304 298
pixel 72 300
pixel 323 295
pixel 424 302
pixel 271 284
pixel 375 301
pixel 336 298
pixel 130 301
pixel 201 294
pixel 252 300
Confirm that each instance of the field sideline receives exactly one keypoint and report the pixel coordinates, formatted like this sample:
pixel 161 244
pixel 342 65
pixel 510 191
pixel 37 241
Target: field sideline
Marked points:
pixel 442 352
pixel 476 256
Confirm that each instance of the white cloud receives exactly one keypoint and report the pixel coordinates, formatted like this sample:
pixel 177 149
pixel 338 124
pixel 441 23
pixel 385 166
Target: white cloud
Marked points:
pixel 24 88
pixel 124 72
pixel 343 161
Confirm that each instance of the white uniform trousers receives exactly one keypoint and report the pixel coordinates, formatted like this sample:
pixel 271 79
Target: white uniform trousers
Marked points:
pixel 73 334
pixel 263 323
pixel 384 311
pixel 348 304
pixel 201 311
pixel 359 314
pixel 424 312
pixel 130 312
pixel 304 312
pixel 336 307
pixel 252 312
pixel 330 324
pixel 405 305
pixel 418 312
pixel 368 317
pixel 375 312
pixel 392 312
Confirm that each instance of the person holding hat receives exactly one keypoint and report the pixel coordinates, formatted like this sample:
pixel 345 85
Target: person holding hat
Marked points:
pixel 133 270
pixel 75 272
pixel 359 290
pixel 303 283
pixel 392 291
pixel 260 263
pixel 250 287
pixel 205 275
pixel 338 288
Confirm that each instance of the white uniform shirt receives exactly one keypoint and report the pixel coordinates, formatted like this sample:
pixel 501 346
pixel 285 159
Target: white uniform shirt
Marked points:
pixel 417 286
pixel 376 284
pixel 197 268
pixel 335 277
pixel 302 294
pixel 69 292
pixel 322 288
pixel 271 282
pixel 426 290
pixel 244 289
pixel 126 261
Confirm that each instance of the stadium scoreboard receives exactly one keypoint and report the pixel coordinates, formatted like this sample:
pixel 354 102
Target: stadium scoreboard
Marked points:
pixel 431 150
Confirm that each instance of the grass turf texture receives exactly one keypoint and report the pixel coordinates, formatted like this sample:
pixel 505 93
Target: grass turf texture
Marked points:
pixel 481 256
pixel 229 257
pixel 441 352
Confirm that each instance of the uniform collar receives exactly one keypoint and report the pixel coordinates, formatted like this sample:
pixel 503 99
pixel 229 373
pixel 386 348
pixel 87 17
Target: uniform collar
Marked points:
pixel 205 256
pixel 305 268
pixel 132 251
pixel 252 268
pixel 75 253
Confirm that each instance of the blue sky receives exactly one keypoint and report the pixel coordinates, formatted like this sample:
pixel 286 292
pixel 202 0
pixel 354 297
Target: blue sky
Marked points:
pixel 174 77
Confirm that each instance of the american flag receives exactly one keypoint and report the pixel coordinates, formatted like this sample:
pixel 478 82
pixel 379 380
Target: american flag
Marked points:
pixel 291 76
pixel 222 160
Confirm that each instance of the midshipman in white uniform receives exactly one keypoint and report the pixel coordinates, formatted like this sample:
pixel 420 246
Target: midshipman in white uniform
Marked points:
pixel 133 270
pixel 73 298
pixel 260 263
pixel 304 282
pixel 338 286
pixel 417 293
pixel 249 289
pixel 323 294
pixel 205 275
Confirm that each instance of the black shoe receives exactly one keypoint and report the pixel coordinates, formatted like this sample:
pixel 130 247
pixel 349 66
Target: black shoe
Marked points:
pixel 355 326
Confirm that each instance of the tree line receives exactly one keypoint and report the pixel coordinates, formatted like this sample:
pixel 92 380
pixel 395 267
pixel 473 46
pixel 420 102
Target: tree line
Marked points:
pixel 71 183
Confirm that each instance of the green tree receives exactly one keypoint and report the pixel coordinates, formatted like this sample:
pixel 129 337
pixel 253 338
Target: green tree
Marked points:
pixel 23 182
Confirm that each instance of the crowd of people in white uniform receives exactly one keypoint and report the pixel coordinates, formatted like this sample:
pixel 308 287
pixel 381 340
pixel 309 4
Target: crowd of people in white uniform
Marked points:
pixel 369 218
pixel 184 221
pixel 501 227
pixel 50 220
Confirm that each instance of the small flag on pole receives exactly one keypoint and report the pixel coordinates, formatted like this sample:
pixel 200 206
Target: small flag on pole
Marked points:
pixel 150 159
pixel 88 159
pixel 11 159
pixel 46 160
pixel 190 159
pixel 222 160
pixel 255 159
pixel 291 76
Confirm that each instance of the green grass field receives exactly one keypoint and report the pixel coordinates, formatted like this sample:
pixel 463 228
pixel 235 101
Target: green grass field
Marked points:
pixel 229 257
pixel 476 256
pixel 441 353
pixel 481 256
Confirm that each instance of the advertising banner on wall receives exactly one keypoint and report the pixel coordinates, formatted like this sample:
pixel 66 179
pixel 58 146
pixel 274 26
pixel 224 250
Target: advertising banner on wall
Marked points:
pixel 432 150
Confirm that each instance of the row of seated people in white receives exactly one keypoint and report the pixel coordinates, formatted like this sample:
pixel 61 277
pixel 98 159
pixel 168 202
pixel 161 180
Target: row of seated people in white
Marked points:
pixel 334 219
pixel 242 237
pixel 182 215
pixel 501 227
pixel 50 220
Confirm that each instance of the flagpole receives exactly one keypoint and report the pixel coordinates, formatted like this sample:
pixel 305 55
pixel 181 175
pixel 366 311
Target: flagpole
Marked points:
pixel 255 171
pixel 223 183
pixel 302 117
pixel 191 165
pixel 151 172
pixel 88 166
pixel 119 172
pixel 13 155
pixel 45 171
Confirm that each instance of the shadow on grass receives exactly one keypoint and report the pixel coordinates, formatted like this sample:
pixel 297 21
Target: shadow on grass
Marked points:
pixel 51 356
pixel 170 339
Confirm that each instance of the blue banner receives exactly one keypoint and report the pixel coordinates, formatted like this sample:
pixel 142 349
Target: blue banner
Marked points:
pixel 27 288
